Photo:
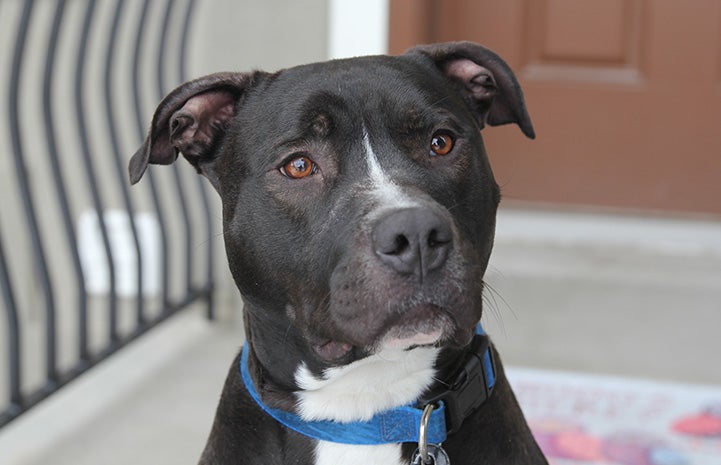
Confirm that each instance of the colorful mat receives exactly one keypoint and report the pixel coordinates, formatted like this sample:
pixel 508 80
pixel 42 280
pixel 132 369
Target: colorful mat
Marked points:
pixel 596 420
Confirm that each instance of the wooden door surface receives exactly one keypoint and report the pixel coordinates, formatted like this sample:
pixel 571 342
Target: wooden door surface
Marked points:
pixel 625 95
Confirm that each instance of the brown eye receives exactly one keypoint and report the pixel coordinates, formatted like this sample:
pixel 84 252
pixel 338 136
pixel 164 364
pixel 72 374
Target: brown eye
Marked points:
pixel 441 144
pixel 299 167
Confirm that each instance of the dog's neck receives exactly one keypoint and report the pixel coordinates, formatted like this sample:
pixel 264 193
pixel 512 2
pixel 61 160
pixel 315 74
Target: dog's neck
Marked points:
pixel 352 392
pixel 391 378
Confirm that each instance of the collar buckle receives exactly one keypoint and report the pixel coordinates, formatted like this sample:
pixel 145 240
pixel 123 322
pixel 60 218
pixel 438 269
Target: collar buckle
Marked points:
pixel 472 386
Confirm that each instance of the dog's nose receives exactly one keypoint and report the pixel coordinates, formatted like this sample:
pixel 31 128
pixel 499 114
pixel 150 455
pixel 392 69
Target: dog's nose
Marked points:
pixel 413 241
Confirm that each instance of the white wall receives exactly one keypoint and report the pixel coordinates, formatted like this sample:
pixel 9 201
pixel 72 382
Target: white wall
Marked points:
pixel 241 35
pixel 357 27
pixel 232 35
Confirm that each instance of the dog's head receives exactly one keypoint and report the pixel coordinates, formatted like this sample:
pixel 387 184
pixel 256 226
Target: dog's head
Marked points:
pixel 358 201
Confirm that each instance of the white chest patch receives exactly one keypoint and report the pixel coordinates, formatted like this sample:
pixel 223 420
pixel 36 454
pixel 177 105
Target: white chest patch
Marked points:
pixel 331 453
pixel 358 391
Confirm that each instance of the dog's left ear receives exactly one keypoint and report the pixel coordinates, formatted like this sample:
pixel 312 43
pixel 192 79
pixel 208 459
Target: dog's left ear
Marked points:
pixel 486 81
pixel 192 120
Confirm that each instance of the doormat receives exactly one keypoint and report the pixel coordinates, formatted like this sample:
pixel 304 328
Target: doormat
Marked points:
pixel 598 420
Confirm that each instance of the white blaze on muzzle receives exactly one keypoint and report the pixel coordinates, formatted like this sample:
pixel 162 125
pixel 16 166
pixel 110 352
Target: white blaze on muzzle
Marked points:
pixel 389 194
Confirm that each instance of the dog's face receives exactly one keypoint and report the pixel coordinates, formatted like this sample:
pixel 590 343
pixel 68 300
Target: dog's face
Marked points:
pixel 317 170
pixel 358 202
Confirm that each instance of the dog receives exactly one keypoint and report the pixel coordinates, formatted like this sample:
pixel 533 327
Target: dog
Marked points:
pixel 358 215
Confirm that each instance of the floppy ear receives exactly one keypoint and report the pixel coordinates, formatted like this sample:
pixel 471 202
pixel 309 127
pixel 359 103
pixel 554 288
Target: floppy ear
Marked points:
pixel 486 82
pixel 192 120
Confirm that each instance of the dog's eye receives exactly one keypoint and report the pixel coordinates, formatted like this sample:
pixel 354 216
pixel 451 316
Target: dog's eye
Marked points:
pixel 299 167
pixel 441 144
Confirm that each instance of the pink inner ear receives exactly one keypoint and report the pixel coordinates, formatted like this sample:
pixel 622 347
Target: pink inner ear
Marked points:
pixel 477 79
pixel 463 69
pixel 200 120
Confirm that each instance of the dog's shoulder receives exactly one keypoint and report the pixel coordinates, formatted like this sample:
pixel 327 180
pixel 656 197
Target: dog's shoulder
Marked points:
pixel 242 429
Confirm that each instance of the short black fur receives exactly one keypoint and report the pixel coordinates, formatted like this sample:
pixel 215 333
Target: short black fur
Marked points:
pixel 302 251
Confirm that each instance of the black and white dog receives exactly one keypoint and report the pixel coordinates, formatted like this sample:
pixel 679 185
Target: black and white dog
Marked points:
pixel 358 213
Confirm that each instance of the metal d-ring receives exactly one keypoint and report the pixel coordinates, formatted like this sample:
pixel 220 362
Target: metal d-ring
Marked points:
pixel 423 433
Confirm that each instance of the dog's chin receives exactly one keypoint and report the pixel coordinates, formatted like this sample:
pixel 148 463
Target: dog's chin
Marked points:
pixel 398 338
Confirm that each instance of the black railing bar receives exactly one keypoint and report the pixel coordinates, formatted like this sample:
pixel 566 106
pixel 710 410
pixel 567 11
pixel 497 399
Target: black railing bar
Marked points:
pixel 39 256
pixel 178 182
pixel 208 218
pixel 184 35
pixel 118 157
pixel 90 171
pixel 61 192
pixel 13 338
pixel 139 40
pixel 37 396
pixel 160 74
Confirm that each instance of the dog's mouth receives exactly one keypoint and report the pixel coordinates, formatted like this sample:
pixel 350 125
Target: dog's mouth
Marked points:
pixel 421 325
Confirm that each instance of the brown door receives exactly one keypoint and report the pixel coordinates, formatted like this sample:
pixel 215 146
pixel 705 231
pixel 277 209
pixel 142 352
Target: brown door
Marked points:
pixel 625 95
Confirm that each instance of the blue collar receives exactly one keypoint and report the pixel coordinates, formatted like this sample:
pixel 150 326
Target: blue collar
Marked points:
pixel 401 424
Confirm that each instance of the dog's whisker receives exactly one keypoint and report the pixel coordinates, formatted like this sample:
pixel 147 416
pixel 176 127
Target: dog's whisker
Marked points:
pixel 454 206
pixel 492 298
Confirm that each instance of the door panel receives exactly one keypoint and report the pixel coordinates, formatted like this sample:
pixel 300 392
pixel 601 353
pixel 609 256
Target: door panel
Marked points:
pixel 625 96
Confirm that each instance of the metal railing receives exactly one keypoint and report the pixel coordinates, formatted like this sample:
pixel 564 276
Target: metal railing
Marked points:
pixel 81 84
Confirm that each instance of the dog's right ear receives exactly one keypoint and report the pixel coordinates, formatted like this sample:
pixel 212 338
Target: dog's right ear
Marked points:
pixel 192 120
pixel 485 80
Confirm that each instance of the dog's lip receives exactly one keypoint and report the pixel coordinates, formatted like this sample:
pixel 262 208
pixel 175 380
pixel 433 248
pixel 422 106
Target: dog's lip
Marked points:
pixel 332 350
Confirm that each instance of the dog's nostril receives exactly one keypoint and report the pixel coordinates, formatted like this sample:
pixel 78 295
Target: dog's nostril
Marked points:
pixel 401 244
pixel 437 239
